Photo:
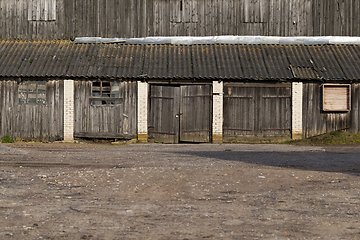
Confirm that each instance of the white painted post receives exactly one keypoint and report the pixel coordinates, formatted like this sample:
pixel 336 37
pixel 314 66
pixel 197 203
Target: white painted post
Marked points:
pixel 142 111
pixel 68 110
pixel 297 106
pixel 218 119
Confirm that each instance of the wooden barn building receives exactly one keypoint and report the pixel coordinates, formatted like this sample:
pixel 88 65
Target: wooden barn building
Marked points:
pixel 139 81
pixel 56 89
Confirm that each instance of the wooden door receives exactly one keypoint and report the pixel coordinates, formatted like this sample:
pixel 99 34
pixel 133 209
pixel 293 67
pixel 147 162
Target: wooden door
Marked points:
pixel 257 111
pixel 180 113
pixel 239 111
pixel 275 111
pixel 164 114
pixel 195 113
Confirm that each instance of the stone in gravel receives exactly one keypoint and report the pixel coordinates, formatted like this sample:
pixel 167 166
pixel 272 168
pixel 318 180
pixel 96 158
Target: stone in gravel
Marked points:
pixel 233 222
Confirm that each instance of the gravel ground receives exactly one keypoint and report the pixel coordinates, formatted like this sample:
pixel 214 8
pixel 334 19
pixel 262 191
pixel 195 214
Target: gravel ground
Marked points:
pixel 199 191
pixel 5 150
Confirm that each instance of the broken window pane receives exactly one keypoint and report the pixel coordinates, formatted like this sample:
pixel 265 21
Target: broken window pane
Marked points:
pixel 22 92
pixel 96 102
pixel 115 90
pixel 103 93
pixel 32 92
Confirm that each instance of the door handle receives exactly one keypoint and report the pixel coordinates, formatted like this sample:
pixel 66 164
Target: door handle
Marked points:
pixel 178 115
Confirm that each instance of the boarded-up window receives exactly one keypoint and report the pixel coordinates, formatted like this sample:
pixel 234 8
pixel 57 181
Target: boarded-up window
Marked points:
pixel 105 93
pixel 41 10
pixel 255 11
pixel 32 92
pixel 336 97
pixel 185 11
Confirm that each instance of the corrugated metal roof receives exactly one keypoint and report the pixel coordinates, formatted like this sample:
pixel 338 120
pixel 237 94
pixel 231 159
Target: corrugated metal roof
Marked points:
pixel 213 61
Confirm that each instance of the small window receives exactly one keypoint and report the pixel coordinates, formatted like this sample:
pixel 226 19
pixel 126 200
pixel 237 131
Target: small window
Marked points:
pixel 105 93
pixel 41 10
pixel 336 98
pixel 32 92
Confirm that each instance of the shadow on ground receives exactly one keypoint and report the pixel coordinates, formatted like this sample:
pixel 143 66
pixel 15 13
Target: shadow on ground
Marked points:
pixel 342 162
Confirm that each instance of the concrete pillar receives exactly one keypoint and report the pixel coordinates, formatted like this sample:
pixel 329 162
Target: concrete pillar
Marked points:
pixel 142 111
pixel 297 106
pixel 218 119
pixel 68 110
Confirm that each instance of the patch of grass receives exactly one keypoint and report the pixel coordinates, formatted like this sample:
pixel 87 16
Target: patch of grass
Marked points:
pixel 333 138
pixel 7 139
pixel 336 133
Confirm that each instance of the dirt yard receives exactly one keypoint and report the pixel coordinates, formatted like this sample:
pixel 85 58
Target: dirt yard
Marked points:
pixel 202 191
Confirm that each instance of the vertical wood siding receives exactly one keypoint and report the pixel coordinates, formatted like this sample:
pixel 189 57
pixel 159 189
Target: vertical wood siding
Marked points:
pixel 355 107
pixel 117 121
pixel 163 115
pixel 195 113
pixel 32 121
pixel 316 122
pixel 32 19
pixel 37 19
pixel 180 113
pixel 257 111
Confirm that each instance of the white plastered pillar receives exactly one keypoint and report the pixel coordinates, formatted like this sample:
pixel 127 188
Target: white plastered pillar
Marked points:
pixel 142 111
pixel 297 106
pixel 68 110
pixel 218 119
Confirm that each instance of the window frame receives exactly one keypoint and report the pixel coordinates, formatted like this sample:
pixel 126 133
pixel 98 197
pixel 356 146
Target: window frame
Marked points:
pixel 348 97
pixel 102 98
pixel 37 94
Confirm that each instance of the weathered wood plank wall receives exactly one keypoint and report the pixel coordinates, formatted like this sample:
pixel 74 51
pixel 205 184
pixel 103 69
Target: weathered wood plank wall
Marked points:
pixel 316 122
pixel 163 107
pixel 66 19
pixel 180 113
pixel 116 121
pixel 32 121
pixel 195 113
pixel 26 19
pixel 256 111
pixel 355 107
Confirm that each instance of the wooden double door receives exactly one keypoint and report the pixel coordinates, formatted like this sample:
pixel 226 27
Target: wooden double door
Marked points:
pixel 257 111
pixel 180 113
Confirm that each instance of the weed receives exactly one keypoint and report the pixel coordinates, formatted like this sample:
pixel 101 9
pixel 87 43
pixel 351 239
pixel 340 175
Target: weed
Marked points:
pixel 7 139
